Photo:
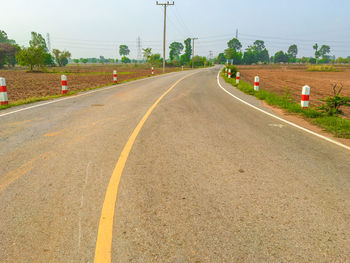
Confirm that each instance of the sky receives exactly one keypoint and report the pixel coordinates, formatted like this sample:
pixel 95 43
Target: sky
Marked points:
pixel 92 28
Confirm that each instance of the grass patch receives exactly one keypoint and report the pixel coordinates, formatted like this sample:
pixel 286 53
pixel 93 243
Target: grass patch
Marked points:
pixel 336 125
pixel 322 68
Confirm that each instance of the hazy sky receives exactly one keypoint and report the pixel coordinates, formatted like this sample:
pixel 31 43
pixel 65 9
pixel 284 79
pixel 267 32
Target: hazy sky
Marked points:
pixel 91 28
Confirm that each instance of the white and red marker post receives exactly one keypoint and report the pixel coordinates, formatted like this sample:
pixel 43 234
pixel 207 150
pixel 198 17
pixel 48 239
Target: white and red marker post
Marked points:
pixel 237 77
pixel 115 78
pixel 64 84
pixel 226 72
pixel 229 73
pixel 256 83
pixel 3 92
pixel 305 97
pixel 152 70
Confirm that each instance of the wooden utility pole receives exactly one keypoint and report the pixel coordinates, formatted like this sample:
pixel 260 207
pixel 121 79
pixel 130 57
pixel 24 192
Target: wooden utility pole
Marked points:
pixel 164 33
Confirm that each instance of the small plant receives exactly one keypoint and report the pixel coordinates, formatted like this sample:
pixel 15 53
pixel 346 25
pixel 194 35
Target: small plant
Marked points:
pixel 333 103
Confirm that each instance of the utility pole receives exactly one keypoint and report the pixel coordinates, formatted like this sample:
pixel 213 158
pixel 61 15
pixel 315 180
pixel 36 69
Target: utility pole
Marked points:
pixel 48 42
pixel 193 39
pixel 139 51
pixel 164 33
pixel 237 33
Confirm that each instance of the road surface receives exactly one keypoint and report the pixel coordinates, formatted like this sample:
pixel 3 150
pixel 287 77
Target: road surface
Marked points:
pixel 207 179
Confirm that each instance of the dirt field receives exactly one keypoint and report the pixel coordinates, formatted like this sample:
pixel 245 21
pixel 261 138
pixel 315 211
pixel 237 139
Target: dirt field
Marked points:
pixel 279 78
pixel 24 85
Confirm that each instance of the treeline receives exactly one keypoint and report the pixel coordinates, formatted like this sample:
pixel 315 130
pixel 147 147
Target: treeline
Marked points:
pixel 101 60
pixel 179 55
pixel 35 56
pixel 257 53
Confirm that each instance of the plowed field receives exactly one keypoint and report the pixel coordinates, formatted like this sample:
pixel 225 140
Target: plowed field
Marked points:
pixel 280 78
pixel 24 85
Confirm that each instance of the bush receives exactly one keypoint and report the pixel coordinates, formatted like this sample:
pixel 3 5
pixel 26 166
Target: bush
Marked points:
pixel 233 70
pixel 321 68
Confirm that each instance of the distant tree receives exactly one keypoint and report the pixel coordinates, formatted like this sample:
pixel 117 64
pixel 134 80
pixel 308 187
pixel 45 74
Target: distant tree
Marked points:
pixel 155 60
pixel 188 49
pixel 292 52
pixel 324 50
pixel 259 45
pixel 5 39
pixel 221 59
pixel 38 41
pixel 317 54
pixel 7 54
pixel 199 61
pixel 76 60
pixel 31 57
pixel 61 57
pixel 264 56
pixel 83 60
pixel 175 50
pixel 125 60
pixel 249 56
pixel 102 59
pixel 111 60
pixel 280 56
pixel 234 44
pixel 124 50
pixel 233 55
pixel 147 52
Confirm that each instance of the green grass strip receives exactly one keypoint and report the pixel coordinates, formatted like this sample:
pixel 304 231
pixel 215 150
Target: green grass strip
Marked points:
pixel 336 125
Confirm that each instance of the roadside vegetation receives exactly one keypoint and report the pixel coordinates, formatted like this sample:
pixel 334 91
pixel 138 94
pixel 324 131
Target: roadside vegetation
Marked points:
pixel 322 68
pixel 327 116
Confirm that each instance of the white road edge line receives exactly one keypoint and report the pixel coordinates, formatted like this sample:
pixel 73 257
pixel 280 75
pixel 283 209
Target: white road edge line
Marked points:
pixel 83 94
pixel 280 119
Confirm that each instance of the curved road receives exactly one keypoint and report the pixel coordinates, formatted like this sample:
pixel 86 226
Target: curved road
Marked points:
pixel 208 179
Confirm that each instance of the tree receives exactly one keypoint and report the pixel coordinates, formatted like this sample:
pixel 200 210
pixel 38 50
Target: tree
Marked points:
pixel 175 50
pixel 188 49
pixel 259 45
pixel 38 41
pixel 125 59
pixel 292 52
pixel 324 50
pixel 31 57
pixel 221 59
pixel 234 44
pixel 76 60
pixel 249 56
pixel 317 54
pixel 124 50
pixel 155 60
pixel 280 56
pixel 5 39
pixel 61 57
pixel 147 52
pixel 7 54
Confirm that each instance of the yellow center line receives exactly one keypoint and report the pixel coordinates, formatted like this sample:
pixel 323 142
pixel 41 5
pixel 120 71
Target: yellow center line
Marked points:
pixel 105 229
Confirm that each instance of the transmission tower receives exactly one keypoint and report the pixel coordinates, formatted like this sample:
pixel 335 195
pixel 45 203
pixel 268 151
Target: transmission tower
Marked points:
pixel 139 49
pixel 48 42
pixel 237 33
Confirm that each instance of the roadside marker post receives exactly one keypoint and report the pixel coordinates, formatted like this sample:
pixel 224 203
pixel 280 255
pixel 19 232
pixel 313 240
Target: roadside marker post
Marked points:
pixel 305 97
pixel 3 92
pixel 64 84
pixel 115 78
pixel 256 83
pixel 229 73
pixel 237 77
pixel 152 70
pixel 226 72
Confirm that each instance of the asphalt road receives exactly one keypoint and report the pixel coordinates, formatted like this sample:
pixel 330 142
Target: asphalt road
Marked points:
pixel 208 179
